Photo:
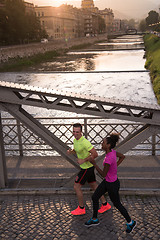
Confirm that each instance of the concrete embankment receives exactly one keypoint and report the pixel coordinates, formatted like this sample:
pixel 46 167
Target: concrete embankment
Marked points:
pixel 27 50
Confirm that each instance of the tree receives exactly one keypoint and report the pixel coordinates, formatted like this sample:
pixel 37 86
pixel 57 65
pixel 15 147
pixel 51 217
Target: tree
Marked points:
pixel 3 25
pixel 16 26
pixel 33 28
pixel 142 25
pixel 101 25
pixel 131 23
pixel 153 17
pixel 15 11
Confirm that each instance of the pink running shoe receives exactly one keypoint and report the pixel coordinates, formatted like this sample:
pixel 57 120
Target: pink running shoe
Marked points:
pixel 78 211
pixel 104 208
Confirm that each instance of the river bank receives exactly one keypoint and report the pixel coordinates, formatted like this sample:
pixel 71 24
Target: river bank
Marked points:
pixel 152 45
pixel 14 58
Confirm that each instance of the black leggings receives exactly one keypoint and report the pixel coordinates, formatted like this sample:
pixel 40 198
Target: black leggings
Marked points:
pixel 113 192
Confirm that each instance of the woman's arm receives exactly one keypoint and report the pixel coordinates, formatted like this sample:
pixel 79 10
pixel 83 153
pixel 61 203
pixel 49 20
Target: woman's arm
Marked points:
pixel 121 158
pixel 103 172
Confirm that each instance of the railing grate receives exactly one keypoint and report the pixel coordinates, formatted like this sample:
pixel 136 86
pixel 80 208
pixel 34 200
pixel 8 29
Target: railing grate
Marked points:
pixel 19 140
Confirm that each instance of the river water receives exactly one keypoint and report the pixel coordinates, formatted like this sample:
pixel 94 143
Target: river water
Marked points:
pixel 112 69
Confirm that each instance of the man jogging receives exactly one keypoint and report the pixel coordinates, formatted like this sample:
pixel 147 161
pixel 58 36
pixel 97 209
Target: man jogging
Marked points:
pixel 85 152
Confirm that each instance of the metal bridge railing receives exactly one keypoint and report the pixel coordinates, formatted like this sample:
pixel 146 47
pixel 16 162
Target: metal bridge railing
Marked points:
pixel 19 140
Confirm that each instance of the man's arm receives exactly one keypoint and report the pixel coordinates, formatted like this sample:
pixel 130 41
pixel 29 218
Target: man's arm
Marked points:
pixel 92 156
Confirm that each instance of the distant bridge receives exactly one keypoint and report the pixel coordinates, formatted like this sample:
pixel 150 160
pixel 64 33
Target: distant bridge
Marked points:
pixel 131 31
pixel 14 96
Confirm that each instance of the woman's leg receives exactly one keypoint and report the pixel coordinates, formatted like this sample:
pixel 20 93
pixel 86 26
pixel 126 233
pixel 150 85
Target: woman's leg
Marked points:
pixel 113 192
pixel 100 190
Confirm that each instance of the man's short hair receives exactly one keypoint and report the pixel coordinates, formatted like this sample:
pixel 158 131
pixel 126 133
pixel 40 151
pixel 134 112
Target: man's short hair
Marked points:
pixel 78 125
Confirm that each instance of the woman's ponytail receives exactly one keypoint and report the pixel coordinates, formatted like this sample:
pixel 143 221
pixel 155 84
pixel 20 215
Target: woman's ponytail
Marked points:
pixel 113 139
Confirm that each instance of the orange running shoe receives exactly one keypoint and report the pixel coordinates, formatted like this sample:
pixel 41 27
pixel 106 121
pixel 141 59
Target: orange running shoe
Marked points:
pixel 104 208
pixel 78 211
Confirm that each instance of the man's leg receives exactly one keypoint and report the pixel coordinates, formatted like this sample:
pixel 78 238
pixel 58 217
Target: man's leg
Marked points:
pixel 80 210
pixel 105 205
pixel 78 190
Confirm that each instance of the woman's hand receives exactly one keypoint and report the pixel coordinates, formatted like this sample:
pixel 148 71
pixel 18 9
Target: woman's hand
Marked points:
pixel 93 162
pixel 70 151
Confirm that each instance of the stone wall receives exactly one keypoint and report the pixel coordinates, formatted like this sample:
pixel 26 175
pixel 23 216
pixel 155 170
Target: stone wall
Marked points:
pixel 27 50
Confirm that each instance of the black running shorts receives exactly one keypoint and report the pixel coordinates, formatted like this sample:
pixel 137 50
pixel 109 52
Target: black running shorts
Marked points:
pixel 86 175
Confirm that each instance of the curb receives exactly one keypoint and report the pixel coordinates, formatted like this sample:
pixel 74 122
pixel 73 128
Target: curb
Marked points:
pixel 70 191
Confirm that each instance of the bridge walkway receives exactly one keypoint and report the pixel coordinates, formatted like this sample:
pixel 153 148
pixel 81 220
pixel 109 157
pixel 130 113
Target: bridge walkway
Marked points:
pixel 50 174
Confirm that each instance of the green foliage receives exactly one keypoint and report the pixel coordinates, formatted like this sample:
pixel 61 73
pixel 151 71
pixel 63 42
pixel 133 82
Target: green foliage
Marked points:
pixel 131 23
pixel 153 17
pixel 80 46
pixel 152 44
pixel 148 63
pixel 142 26
pixel 156 87
pixel 16 26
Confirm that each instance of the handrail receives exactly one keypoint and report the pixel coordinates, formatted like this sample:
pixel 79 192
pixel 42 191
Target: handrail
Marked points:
pixel 20 94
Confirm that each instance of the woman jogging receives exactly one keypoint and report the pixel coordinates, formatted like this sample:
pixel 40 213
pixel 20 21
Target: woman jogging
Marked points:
pixel 110 183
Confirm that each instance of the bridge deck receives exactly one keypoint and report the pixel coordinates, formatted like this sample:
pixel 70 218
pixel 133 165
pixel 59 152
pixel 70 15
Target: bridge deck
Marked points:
pixel 136 172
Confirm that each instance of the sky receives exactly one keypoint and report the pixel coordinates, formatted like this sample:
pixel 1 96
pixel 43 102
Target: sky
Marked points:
pixel 137 9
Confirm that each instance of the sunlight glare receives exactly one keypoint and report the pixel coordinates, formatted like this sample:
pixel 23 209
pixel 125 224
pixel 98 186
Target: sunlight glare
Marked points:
pixel 57 3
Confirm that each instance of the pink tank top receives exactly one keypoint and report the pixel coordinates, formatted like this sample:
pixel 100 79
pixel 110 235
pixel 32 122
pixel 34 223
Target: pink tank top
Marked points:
pixel 111 159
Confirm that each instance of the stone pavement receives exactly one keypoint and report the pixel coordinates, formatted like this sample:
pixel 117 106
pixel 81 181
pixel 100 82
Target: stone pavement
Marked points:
pixel 35 206
pixel 47 217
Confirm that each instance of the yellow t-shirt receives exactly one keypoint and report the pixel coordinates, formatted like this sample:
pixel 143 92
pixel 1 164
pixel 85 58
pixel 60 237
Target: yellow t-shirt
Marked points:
pixel 82 148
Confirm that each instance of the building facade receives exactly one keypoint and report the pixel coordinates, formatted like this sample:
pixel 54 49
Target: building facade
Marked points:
pixel 67 22
pixel 90 17
pixel 116 25
pixel 29 8
pixel 108 16
pixel 64 22
pixel 87 4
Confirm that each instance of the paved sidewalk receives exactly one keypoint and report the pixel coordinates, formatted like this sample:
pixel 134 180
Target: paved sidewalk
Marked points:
pixel 48 217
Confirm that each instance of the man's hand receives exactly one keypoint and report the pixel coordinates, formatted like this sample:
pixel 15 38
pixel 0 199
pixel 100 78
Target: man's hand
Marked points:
pixel 70 151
